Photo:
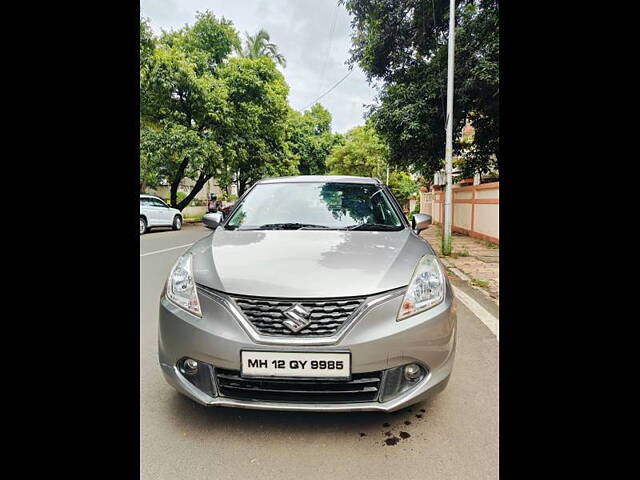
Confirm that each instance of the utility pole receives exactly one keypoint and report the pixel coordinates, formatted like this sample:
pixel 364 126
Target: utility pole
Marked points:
pixel 446 239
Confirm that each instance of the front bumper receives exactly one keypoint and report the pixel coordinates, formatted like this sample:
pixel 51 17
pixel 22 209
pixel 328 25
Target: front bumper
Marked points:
pixel 376 342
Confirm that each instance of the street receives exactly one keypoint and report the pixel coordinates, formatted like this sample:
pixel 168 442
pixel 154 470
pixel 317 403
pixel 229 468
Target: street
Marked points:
pixel 452 436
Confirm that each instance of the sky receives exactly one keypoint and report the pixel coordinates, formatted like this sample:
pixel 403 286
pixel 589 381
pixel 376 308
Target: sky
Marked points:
pixel 313 36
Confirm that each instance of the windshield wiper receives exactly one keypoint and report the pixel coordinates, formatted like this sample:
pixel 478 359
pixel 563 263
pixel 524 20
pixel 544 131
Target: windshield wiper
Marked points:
pixel 289 226
pixel 373 226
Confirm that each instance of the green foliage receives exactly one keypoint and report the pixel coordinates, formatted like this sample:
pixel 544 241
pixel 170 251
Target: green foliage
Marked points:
pixel 204 114
pixel 309 139
pixel 416 209
pixel 147 42
pixel 231 197
pixel 404 45
pixel 257 118
pixel 479 282
pixel 402 185
pixel 206 43
pixel 259 45
pixel 446 245
pixel 463 253
pixel 199 202
pixel 361 152
pixel 183 104
pixel 180 194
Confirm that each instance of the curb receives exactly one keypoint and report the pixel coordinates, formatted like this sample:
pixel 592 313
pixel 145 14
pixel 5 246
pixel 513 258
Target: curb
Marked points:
pixel 462 276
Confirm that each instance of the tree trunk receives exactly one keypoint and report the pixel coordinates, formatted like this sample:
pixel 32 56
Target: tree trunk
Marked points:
pixel 176 182
pixel 242 185
pixel 200 182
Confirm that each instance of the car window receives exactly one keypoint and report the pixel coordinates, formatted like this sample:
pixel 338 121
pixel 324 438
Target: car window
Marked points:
pixel 327 205
pixel 157 203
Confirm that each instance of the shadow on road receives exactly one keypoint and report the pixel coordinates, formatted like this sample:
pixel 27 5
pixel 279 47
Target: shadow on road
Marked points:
pixel 185 226
pixel 192 415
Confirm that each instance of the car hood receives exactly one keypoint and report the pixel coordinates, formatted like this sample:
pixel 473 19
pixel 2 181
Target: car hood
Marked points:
pixel 306 263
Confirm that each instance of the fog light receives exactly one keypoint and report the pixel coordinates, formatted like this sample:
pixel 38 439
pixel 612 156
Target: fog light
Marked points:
pixel 190 366
pixel 199 374
pixel 412 372
pixel 402 379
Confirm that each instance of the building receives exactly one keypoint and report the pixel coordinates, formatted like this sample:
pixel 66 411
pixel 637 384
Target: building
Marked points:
pixel 164 190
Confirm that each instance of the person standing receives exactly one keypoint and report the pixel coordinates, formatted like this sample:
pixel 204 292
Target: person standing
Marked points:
pixel 213 203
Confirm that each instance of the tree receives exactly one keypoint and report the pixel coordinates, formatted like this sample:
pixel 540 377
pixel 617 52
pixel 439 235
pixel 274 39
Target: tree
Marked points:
pixel 148 169
pixel 204 114
pixel 183 104
pixel 309 139
pixel 257 117
pixel 147 42
pixel 403 44
pixel 364 153
pixel 259 45
pixel 402 185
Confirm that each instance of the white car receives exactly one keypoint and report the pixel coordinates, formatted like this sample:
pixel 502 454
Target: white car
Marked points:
pixel 155 213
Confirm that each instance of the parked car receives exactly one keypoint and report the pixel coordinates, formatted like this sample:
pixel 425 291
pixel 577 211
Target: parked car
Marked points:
pixel 155 213
pixel 314 294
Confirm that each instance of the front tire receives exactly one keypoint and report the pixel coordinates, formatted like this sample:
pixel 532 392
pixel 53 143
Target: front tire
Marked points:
pixel 177 223
pixel 143 226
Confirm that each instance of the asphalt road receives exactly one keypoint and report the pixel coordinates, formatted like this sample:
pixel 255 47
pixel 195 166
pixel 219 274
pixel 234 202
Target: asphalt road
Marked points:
pixel 452 436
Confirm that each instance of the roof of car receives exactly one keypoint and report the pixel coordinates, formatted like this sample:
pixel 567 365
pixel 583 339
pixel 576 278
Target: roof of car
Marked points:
pixel 147 196
pixel 321 178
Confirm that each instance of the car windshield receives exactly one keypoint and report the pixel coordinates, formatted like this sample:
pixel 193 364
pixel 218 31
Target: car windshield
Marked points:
pixel 315 205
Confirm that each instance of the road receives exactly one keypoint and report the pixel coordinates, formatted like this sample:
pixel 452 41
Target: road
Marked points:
pixel 452 436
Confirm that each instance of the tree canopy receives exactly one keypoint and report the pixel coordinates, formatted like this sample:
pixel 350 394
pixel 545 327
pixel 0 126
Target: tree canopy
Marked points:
pixel 259 45
pixel 403 44
pixel 310 139
pixel 257 113
pixel 205 114
pixel 363 153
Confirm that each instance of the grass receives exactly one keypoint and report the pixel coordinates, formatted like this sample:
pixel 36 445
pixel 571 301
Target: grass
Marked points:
pixel 446 247
pixel 479 283
pixel 463 253
pixel 489 244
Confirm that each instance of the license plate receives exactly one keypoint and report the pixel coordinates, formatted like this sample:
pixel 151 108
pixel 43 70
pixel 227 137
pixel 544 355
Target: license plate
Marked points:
pixel 296 364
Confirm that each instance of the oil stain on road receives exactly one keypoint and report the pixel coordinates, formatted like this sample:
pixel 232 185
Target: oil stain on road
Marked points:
pixel 388 427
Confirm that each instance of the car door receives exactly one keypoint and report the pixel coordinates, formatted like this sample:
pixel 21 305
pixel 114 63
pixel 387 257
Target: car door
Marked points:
pixel 163 212
pixel 149 211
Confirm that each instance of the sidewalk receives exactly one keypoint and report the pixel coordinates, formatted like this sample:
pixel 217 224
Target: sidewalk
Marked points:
pixel 478 261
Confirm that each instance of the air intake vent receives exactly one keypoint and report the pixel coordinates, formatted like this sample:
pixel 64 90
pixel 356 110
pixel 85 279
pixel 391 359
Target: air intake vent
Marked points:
pixel 363 387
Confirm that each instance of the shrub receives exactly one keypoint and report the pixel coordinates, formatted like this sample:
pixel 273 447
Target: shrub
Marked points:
pixel 415 210
pixel 179 197
pixel 199 202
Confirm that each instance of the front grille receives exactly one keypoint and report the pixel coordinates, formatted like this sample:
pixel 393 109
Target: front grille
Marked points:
pixel 326 316
pixel 363 387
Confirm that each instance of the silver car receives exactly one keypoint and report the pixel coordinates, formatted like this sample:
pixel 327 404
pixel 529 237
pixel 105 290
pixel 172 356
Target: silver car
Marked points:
pixel 314 294
pixel 155 213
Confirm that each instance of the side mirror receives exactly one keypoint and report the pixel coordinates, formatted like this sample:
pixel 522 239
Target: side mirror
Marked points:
pixel 420 221
pixel 212 220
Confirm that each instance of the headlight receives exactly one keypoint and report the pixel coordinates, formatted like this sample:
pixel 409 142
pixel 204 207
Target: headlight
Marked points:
pixel 426 288
pixel 181 288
